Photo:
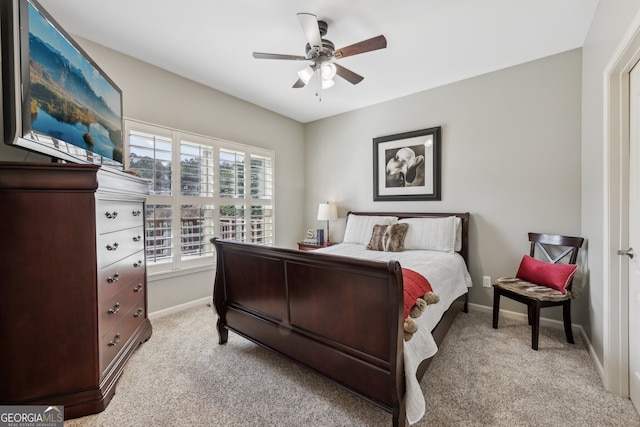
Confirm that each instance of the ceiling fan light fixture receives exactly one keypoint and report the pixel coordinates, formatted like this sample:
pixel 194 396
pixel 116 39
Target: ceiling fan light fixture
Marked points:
pixel 322 53
pixel 306 74
pixel 328 71
pixel 326 84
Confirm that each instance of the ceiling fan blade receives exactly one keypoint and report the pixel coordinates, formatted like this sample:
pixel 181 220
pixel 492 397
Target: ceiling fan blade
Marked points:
pixel 260 55
pixel 299 84
pixel 309 24
pixel 348 75
pixel 374 43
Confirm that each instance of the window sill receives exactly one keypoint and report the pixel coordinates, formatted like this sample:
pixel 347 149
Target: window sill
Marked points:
pixel 185 271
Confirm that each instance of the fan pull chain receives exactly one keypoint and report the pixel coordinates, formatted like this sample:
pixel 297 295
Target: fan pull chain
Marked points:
pixel 319 80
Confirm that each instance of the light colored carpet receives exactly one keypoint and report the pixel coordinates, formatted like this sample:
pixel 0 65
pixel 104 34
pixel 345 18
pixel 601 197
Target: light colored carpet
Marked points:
pixel 480 377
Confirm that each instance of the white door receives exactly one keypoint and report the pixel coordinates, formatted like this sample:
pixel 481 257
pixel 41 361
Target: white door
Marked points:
pixel 634 238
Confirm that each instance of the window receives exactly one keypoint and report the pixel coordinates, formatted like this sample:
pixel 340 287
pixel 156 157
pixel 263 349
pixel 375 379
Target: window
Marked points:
pixel 261 183
pixel 200 188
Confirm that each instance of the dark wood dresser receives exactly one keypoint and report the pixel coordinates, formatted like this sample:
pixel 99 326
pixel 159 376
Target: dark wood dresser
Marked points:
pixel 73 283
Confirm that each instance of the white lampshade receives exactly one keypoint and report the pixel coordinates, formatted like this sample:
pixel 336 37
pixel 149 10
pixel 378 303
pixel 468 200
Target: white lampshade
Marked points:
pixel 306 74
pixel 326 84
pixel 328 71
pixel 327 212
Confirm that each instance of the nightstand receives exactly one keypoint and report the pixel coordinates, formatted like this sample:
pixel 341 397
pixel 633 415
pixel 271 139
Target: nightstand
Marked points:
pixel 303 246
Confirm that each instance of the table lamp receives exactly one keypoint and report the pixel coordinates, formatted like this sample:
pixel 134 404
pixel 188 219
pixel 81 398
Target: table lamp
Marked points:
pixel 327 212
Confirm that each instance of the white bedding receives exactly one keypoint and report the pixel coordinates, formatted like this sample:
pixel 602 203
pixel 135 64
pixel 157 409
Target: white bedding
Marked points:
pixel 449 278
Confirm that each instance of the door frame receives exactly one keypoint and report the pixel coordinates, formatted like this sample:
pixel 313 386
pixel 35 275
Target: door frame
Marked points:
pixel 616 213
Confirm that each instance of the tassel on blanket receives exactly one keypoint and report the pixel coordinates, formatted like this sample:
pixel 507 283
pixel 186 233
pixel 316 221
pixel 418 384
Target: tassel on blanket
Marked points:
pixel 418 295
pixel 410 327
pixel 421 304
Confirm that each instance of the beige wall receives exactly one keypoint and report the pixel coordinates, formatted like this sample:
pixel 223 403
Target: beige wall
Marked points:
pixel 511 157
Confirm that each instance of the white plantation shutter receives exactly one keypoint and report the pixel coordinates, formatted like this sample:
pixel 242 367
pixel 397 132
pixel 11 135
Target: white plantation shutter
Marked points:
pixel 200 187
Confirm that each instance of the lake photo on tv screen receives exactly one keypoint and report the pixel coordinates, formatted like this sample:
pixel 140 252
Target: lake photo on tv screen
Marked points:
pixel 71 100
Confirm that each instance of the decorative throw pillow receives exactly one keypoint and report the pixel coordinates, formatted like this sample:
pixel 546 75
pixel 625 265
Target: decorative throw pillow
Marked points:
pixel 555 276
pixel 388 238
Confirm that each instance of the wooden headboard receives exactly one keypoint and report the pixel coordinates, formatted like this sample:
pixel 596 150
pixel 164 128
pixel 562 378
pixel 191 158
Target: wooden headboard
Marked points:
pixel 464 216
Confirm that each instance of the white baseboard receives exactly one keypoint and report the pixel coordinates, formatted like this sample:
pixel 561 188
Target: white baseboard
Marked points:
pixel 548 323
pixel 518 316
pixel 594 356
pixel 178 308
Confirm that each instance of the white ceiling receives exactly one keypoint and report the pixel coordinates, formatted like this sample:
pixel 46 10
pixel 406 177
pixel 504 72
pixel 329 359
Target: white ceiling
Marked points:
pixel 429 42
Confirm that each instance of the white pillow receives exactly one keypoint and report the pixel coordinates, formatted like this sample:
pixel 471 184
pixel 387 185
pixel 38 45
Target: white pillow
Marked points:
pixel 458 244
pixel 435 234
pixel 360 227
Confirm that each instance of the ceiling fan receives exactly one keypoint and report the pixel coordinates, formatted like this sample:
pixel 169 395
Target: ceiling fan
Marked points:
pixel 323 55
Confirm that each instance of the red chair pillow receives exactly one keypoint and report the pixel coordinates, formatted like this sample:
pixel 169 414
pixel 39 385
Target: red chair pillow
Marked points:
pixel 555 276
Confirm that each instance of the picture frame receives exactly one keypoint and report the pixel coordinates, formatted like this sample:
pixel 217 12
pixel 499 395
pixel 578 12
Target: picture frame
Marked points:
pixel 406 166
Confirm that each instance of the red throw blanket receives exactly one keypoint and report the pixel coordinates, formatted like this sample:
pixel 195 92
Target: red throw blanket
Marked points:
pixel 415 286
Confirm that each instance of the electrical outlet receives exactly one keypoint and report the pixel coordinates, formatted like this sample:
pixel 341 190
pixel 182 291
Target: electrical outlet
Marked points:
pixel 486 281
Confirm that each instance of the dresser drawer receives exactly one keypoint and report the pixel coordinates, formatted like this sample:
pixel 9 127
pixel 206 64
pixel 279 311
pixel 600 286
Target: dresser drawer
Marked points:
pixel 113 277
pixel 111 311
pixel 117 215
pixel 118 245
pixel 116 339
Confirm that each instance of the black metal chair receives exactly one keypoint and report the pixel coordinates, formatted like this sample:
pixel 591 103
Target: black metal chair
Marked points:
pixel 536 296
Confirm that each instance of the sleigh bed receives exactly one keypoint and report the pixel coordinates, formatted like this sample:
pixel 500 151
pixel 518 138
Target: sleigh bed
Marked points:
pixel 339 311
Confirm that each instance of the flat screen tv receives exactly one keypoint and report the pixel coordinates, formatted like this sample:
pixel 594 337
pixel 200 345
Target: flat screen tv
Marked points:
pixel 56 100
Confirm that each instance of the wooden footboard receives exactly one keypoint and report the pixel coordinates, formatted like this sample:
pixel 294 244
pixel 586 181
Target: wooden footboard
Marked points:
pixel 341 317
pixel 338 316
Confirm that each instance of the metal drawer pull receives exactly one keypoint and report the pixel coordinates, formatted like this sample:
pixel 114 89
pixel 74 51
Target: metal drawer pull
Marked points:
pixel 139 312
pixel 113 279
pixel 137 238
pixel 115 341
pixel 136 213
pixel 137 288
pixel 137 264
pixel 115 309
pixel 628 252
pixel 112 247
pixel 111 215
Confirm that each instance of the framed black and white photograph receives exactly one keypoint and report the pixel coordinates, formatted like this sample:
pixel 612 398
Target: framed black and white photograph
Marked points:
pixel 406 166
